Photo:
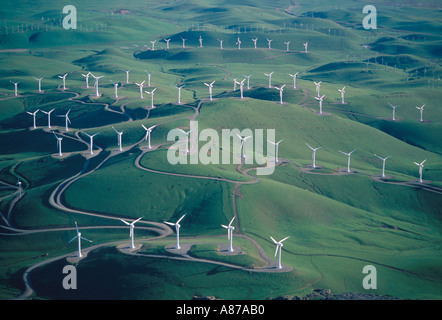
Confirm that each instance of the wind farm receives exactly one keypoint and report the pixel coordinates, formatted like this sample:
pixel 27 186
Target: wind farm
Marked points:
pixel 233 191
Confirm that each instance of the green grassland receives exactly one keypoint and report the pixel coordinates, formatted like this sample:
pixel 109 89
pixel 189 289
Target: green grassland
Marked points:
pixel 337 223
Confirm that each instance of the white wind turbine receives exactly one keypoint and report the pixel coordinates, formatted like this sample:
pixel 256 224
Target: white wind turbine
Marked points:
pixel 167 43
pixel 230 229
pixel 280 93
pixel 220 44
pixel 314 154
pixel 276 148
pixel 184 42
pixel 305 47
pixel 153 44
pixel 420 165
pixel 64 80
pixel 115 88
pixel 270 78
pixel 60 154
pixel 294 79
pixel 67 120
pixel 422 111
pixel 127 75
pixel 49 117
pixel 177 228
pixel 179 93
pixel 97 94
pixel 39 83
pixel 140 85
pixel 254 42
pixel 287 45
pixel 248 81
pixel 131 232
pixel 120 145
pixel 342 91
pixel 234 84
pixel 243 141
pixel 91 137
pixel 320 99
pixel 148 133
pixel 210 88
pixel 151 93
pixel 87 79
pixel 201 42
pixel 383 164
pixel 186 139
pixel 148 77
pixel 33 116
pixel 241 87
pixel 15 87
pixel 318 87
pixel 20 190
pixel 394 110
pixel 79 237
pixel 269 41
pixel 348 158
pixel 238 42
pixel 279 246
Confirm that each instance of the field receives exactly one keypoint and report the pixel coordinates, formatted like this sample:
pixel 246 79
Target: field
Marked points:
pixel 337 220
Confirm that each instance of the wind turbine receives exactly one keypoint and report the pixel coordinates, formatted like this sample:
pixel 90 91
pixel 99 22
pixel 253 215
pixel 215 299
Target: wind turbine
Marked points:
pixel 230 229
pixel 127 75
pixel 248 81
pixel 15 87
pixel 179 93
pixel 19 187
pixel 140 85
pixel 318 87
pixel 177 228
pixel 49 117
pixel 269 41
pixel 234 84
pixel 254 41
pixel 116 89
pixel 79 237
pixel 148 132
pixel 287 44
pixel 153 44
pixel 243 141
pixel 167 43
pixel 277 147
pixel 33 115
pixel 64 80
pixel 280 93
pixel 348 158
pixel 67 120
pixel 342 91
pixel 87 79
pixel 152 93
pixel 96 84
pixel 220 43
pixel 187 138
pixel 201 42
pixel 184 41
pixel 294 79
pixel 421 165
pixel 148 78
pixel 39 83
pixel 58 144
pixel 320 99
pixel 394 110
pixel 91 137
pixel 279 245
pixel 305 46
pixel 238 43
pixel 241 87
pixel 270 78
pixel 119 138
pixel 210 88
pixel 314 154
pixel 422 111
pixel 383 164
pixel 131 232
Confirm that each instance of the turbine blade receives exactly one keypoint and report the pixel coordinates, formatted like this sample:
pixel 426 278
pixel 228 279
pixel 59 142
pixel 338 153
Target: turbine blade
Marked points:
pixel 127 223
pixel 274 240
pixel 180 219
pixel 231 221
pixel 169 223
pixel 72 239
pixel 137 220
pixel 284 239
pixel 83 238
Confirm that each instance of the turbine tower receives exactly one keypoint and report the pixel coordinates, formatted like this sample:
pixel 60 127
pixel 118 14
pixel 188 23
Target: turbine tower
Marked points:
pixel 220 44
pixel 254 42
pixel 39 83
pixel 67 120
pixel 148 78
pixel 420 165
pixel 97 94
pixel 277 148
pixel 179 93
pixel 342 91
pixel 19 187
pixel 60 154
pixel 294 79
pixel 153 44
pixel 270 78
pixel 348 158
pixel 238 42
pixel 318 87
pixel 15 87
pixel 120 146
pixel 115 88
pixel 127 75
pixel 87 79
pixel 177 228
pixel 91 137
pixel 314 154
pixel 230 229
pixel 287 45
pixel 167 43
pixel 79 237
pixel 184 42
pixel 394 111
pixel 49 117
pixel 151 93
pixel 64 80
pixel 140 85
pixel 243 141
pixel 280 93
pixel 187 138
pixel 279 246
pixel 131 232
pixel 148 132
pixel 33 116
pixel 320 99
pixel 241 87
pixel 210 88
pixel 305 47
pixel 201 42
pixel 269 41
pixel 422 111
pixel 383 164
